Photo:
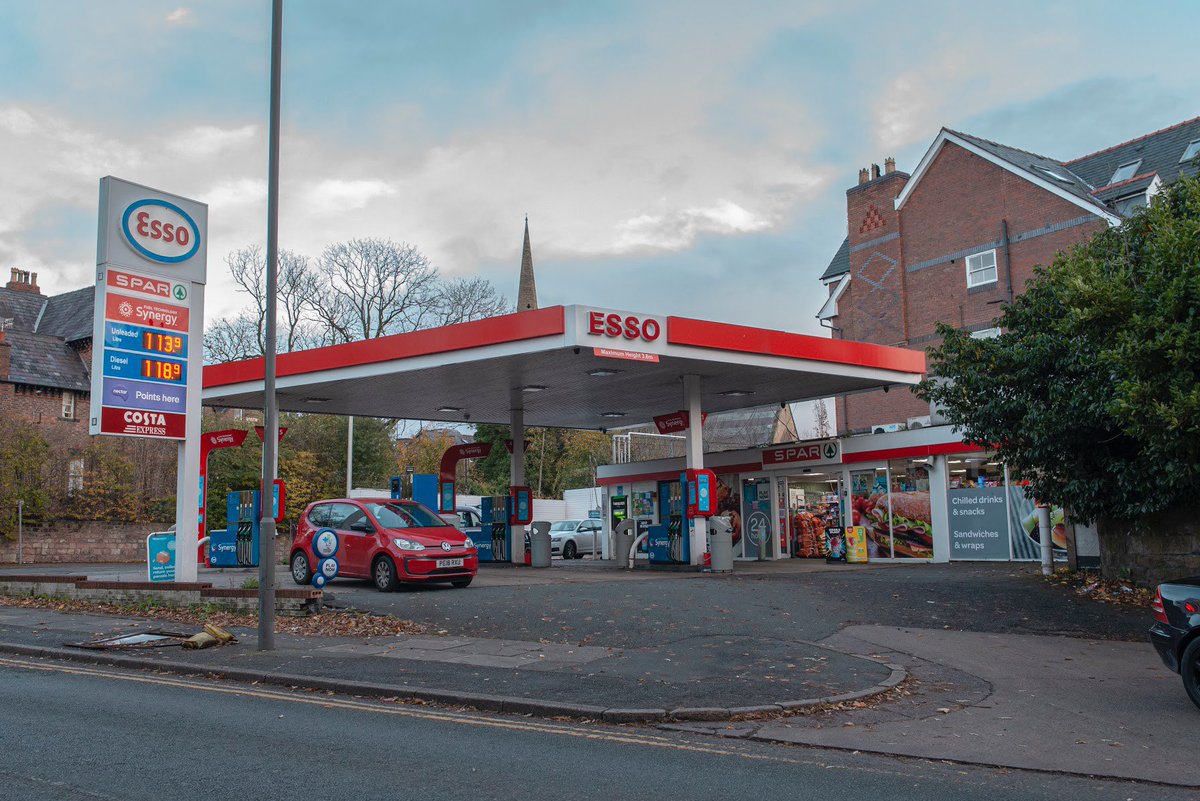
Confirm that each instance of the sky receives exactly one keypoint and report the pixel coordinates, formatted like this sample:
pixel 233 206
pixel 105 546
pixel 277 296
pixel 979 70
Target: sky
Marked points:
pixel 685 158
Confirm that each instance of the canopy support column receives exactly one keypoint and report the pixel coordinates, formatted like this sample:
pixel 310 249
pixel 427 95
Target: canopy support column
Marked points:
pixel 694 447
pixel 516 476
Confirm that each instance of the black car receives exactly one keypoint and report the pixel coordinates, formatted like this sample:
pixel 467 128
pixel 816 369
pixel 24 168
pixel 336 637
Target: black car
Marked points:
pixel 1176 631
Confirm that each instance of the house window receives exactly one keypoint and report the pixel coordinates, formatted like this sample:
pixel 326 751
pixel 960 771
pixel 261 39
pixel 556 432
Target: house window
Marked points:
pixel 75 476
pixel 1192 150
pixel 68 404
pixel 1125 171
pixel 981 268
pixel 1126 205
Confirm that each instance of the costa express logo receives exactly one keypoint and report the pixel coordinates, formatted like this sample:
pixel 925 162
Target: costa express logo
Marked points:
pixel 160 231
pixel 628 326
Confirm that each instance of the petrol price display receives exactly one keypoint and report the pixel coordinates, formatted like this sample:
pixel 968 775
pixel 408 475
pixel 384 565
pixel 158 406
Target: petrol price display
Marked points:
pixel 162 343
pixel 162 370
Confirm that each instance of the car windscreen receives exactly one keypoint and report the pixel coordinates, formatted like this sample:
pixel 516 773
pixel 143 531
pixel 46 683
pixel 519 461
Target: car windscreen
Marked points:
pixel 404 515
pixel 564 525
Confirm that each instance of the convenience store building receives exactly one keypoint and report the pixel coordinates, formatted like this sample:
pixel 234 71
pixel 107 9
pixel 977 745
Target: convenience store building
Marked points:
pixel 922 495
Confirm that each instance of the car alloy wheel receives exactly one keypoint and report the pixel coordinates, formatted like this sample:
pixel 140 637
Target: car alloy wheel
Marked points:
pixel 384 574
pixel 301 572
pixel 569 550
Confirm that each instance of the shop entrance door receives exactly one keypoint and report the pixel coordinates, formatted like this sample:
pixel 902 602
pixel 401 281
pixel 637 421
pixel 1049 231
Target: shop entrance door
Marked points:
pixel 813 503
pixel 870 508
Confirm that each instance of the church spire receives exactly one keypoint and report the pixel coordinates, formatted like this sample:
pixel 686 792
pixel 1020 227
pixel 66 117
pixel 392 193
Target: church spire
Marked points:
pixel 527 289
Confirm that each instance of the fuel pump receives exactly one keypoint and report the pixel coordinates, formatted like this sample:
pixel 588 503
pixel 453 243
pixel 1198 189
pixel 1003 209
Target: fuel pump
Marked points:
pixel 495 541
pixel 668 541
pixel 238 544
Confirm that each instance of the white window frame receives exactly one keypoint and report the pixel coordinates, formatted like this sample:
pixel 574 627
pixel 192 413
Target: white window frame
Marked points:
pixel 1132 172
pixel 68 405
pixel 1194 148
pixel 971 282
pixel 74 476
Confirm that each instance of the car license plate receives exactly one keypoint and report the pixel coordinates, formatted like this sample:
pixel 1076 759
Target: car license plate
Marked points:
pixel 449 563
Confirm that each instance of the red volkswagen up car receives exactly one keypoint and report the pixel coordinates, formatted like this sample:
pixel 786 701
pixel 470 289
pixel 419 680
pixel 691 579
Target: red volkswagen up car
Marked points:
pixel 386 541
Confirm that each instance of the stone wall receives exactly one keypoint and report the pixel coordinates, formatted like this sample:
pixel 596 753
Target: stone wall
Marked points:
pixel 1165 547
pixel 93 542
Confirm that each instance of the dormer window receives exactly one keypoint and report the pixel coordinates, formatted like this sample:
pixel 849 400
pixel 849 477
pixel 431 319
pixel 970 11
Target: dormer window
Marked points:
pixel 1125 171
pixel 1191 151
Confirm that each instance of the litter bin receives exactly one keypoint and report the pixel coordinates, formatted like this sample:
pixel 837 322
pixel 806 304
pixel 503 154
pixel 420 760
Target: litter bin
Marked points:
pixel 539 543
pixel 720 545
pixel 623 538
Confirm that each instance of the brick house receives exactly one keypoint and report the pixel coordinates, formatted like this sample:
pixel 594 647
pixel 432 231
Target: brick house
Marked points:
pixel 961 235
pixel 45 359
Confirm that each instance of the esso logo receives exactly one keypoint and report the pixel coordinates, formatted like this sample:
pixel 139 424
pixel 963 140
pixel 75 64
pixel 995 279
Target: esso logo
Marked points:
pixel 627 327
pixel 160 231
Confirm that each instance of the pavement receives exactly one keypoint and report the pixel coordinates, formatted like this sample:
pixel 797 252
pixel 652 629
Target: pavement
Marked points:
pixel 999 667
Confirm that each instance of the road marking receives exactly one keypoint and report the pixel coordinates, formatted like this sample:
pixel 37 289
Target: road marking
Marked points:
pixel 382 708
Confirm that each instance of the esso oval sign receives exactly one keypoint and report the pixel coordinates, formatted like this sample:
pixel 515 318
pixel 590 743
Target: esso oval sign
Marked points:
pixel 625 326
pixel 160 231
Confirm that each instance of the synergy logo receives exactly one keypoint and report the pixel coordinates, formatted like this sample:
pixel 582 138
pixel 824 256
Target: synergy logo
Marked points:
pixel 160 231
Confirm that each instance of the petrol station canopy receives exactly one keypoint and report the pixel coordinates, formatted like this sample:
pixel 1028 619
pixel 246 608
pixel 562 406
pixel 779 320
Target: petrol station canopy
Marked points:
pixel 574 366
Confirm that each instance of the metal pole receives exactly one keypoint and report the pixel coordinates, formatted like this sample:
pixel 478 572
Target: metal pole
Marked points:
pixel 1043 511
pixel 20 531
pixel 266 556
pixel 350 456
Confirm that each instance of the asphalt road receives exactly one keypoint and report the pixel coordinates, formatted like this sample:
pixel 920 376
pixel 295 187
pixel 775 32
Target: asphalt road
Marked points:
pixel 74 732
pixel 780 604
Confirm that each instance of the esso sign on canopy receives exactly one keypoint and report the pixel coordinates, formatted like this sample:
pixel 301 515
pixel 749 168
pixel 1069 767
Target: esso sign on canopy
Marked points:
pixel 623 326
pixel 160 231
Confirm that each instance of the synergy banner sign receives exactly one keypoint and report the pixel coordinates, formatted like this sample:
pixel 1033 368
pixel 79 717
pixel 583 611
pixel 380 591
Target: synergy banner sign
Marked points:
pixel 150 276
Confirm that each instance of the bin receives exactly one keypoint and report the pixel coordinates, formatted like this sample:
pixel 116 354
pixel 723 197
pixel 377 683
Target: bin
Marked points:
pixel 720 545
pixel 623 538
pixel 539 543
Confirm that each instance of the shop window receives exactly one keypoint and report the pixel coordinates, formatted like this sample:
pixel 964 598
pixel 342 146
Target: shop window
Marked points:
pixel 68 404
pixel 978 470
pixel 981 268
pixel 74 476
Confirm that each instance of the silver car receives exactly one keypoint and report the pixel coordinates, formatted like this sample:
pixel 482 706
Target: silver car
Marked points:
pixel 571 539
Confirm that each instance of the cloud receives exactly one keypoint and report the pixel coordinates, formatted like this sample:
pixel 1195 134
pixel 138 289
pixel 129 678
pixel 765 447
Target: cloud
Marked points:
pixel 678 229
pixel 210 140
pixel 334 195
pixel 180 16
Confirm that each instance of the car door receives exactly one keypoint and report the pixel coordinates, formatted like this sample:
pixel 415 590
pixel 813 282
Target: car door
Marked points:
pixel 590 541
pixel 357 537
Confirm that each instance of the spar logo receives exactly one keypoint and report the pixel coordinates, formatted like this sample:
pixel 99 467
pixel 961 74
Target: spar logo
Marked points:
pixel 160 231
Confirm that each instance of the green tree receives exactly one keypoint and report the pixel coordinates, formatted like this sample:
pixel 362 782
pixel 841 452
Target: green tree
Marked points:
pixel 1091 393
pixel 23 454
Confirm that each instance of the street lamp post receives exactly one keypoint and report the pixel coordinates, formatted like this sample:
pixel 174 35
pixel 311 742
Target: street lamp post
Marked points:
pixel 20 531
pixel 266 561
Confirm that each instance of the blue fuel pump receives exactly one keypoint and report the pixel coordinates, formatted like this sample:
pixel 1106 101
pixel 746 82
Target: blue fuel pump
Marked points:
pixel 237 545
pixel 495 537
pixel 670 540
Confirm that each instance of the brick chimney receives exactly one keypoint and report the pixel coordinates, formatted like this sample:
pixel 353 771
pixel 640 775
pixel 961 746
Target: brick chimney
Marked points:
pixel 874 171
pixel 23 281
pixel 889 165
pixel 863 177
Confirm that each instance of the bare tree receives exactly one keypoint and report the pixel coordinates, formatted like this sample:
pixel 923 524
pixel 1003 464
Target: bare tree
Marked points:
pixel 297 286
pixel 464 299
pixel 232 339
pixel 374 287
pixel 821 419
